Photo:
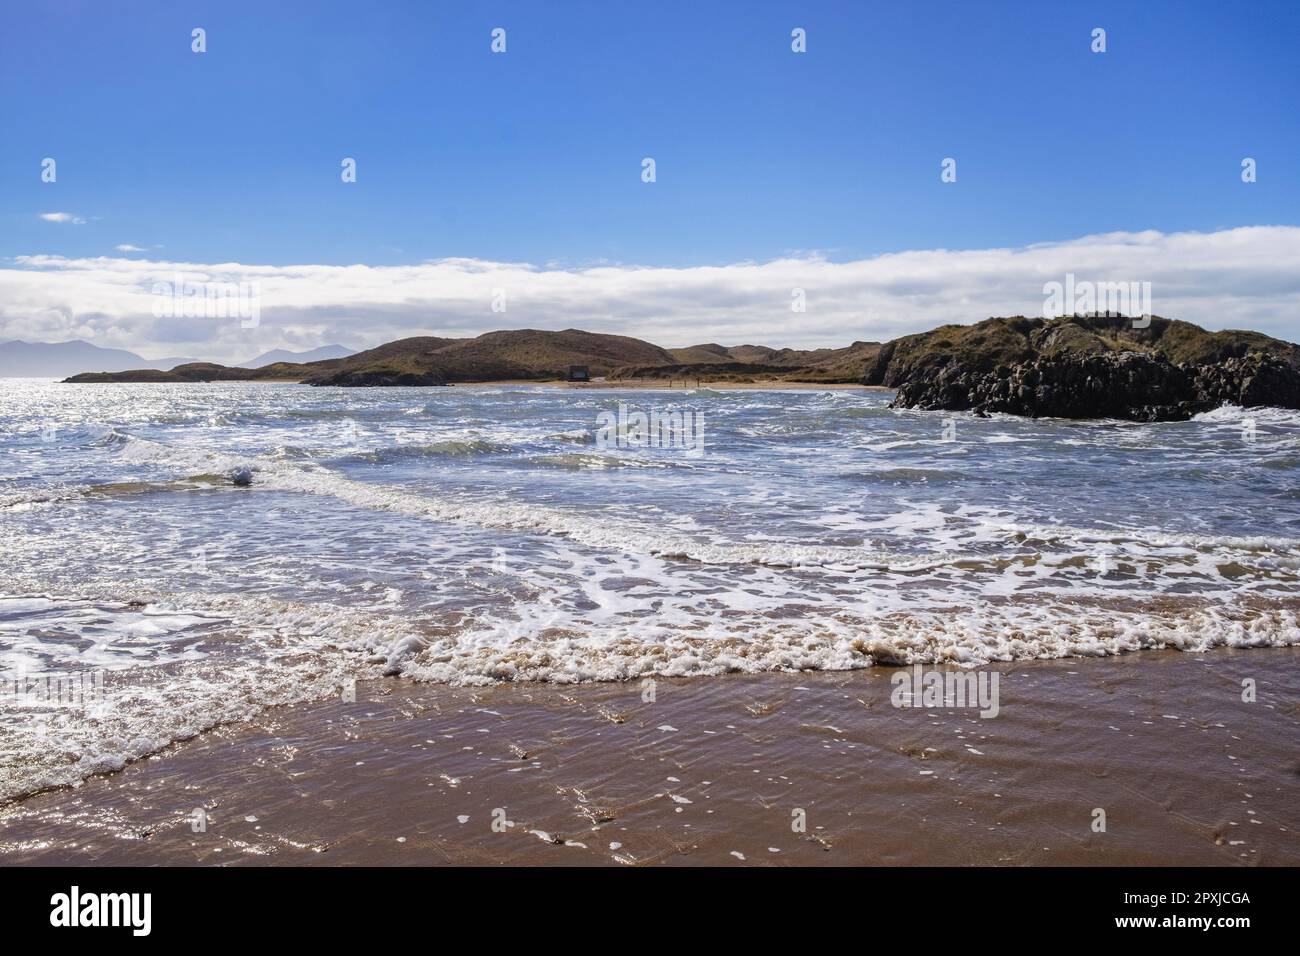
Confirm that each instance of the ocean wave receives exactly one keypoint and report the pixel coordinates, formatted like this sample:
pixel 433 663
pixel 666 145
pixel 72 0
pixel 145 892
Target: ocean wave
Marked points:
pixel 578 460
pixel 577 436
pixel 293 653
pixel 597 531
pixel 210 468
pixel 540 645
pixel 467 448
pixel 582 460
pixel 26 498
pixel 905 475
pixel 1265 415
pixel 108 436
pixel 1084 538
pixel 289 653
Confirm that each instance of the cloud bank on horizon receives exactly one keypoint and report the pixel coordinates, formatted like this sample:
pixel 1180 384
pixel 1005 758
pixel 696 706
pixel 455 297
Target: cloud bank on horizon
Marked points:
pixel 1245 277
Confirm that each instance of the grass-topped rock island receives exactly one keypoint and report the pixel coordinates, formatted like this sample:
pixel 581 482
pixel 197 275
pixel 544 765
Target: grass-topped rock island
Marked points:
pixel 1088 367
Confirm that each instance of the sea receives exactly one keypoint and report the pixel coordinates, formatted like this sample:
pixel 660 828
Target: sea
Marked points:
pixel 174 557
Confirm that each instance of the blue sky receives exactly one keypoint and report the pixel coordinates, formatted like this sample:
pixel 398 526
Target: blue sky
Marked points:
pixel 534 155
pixel 516 177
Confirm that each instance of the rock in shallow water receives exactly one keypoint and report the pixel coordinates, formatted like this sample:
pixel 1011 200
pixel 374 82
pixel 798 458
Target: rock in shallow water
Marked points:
pixel 1136 386
pixel 1087 366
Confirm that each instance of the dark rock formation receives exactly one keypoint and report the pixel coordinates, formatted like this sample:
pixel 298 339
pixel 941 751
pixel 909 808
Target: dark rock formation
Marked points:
pixel 1250 381
pixel 1128 385
pixel 1088 367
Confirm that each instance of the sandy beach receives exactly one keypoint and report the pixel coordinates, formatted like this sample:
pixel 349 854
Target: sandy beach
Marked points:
pixel 721 772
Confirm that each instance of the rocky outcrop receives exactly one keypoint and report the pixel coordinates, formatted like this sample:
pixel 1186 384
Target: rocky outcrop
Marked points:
pixel 1135 386
pixel 1253 380
pixel 1088 367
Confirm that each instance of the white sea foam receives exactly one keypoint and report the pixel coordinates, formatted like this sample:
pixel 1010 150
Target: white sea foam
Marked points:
pixel 278 653
pixel 1235 414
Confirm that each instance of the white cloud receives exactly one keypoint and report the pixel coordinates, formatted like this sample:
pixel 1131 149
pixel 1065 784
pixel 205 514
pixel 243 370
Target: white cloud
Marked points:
pixel 1236 278
pixel 63 217
pixel 127 247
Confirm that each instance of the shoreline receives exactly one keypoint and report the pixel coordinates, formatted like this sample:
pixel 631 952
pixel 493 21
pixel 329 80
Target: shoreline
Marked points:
pixel 648 385
pixel 713 771
pixel 660 385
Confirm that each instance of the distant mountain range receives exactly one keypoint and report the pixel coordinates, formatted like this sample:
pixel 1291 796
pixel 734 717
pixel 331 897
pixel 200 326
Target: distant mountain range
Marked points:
pixel 284 355
pixel 61 359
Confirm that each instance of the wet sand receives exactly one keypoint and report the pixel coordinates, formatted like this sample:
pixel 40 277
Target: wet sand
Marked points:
pixel 715 771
